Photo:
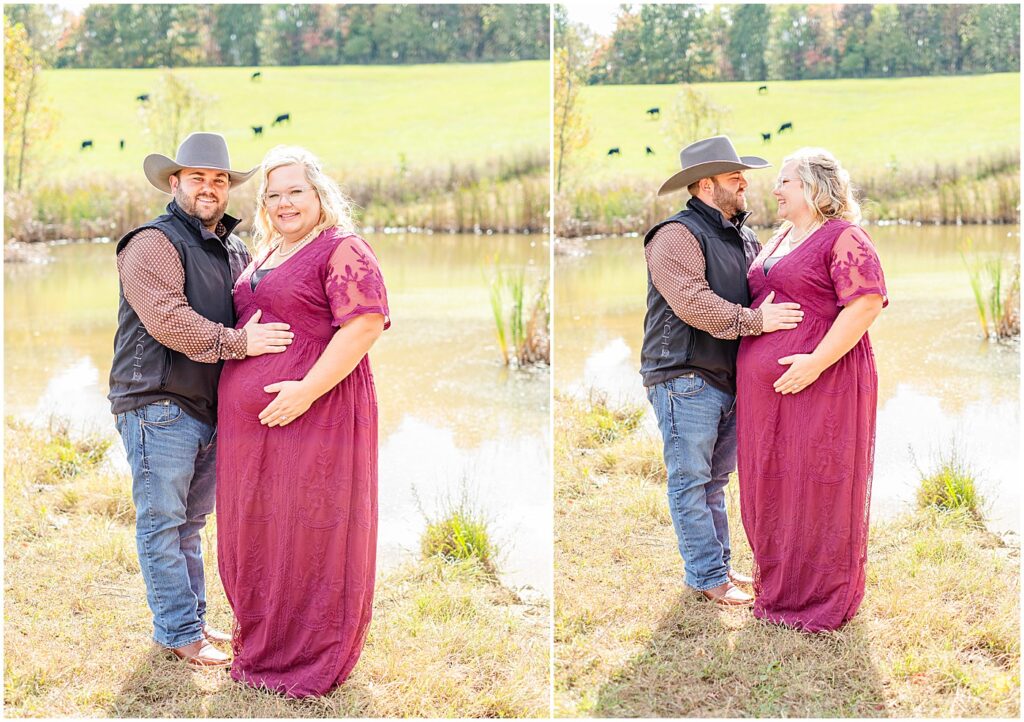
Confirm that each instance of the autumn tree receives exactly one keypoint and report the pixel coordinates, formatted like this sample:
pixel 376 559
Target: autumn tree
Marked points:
pixel 27 121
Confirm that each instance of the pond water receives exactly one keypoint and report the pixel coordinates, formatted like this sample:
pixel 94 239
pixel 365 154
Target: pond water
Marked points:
pixel 941 386
pixel 453 419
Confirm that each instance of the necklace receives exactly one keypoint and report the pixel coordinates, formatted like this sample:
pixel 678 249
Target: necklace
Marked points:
pixel 792 243
pixel 306 239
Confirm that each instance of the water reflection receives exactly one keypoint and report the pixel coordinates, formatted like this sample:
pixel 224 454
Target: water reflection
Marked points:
pixel 939 382
pixel 448 410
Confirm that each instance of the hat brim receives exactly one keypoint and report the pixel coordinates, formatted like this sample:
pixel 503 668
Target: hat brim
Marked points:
pixel 158 169
pixel 694 173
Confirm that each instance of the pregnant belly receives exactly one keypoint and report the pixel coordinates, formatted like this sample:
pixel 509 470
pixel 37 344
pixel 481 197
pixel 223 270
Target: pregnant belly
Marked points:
pixel 241 382
pixel 758 360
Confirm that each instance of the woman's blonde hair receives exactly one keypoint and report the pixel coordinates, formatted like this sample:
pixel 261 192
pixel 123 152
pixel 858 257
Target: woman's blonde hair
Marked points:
pixel 335 207
pixel 827 187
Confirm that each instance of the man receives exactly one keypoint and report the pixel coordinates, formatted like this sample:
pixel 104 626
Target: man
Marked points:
pixel 697 302
pixel 175 326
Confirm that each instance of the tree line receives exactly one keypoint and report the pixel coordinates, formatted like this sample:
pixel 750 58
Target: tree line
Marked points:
pixel 184 35
pixel 700 43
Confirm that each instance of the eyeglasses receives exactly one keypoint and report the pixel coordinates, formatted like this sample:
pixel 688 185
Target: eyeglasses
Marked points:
pixel 295 195
pixel 781 182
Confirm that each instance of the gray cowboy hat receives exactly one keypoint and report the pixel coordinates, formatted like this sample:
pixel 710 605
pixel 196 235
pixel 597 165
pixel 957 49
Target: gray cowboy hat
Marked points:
pixel 198 150
pixel 706 158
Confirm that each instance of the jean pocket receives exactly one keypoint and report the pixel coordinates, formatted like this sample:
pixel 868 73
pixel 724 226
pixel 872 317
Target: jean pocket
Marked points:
pixel 160 413
pixel 686 386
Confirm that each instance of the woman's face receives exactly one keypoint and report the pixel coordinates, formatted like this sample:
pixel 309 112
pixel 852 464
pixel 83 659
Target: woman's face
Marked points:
pixel 292 203
pixel 789 192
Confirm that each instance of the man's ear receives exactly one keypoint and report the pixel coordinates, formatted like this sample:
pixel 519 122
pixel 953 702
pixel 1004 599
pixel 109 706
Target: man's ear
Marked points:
pixel 173 180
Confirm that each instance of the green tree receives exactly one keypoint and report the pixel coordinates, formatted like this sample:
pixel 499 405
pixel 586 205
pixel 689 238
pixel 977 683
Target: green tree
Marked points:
pixel 992 38
pixel 747 41
pixel 235 29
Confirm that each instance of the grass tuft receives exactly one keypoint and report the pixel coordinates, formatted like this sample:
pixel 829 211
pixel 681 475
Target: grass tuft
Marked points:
pixel 458 534
pixel 950 487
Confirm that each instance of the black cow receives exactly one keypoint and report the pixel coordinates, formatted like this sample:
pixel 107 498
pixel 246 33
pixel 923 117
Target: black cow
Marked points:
pixel 142 98
pixel 654 112
pixel 649 151
pixel 121 143
pixel 614 151
pixel 282 118
pixel 257 130
pixel 762 89
pixel 785 126
pixel 86 144
pixel 256 76
pixel 766 137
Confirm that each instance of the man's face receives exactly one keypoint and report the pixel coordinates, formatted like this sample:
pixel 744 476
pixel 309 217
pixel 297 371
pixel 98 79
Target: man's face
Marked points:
pixel 202 193
pixel 729 192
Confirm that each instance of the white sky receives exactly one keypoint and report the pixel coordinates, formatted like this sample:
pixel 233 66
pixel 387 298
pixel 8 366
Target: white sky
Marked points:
pixel 598 15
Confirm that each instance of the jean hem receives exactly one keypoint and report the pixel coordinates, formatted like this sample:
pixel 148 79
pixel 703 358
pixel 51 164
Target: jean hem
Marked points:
pixel 709 586
pixel 176 645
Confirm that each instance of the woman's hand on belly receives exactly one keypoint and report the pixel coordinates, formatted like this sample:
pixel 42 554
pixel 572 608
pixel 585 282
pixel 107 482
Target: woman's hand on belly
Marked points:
pixel 293 400
pixel 803 371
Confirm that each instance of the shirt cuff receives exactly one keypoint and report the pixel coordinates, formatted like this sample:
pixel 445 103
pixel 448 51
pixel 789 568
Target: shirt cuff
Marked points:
pixel 233 343
pixel 750 321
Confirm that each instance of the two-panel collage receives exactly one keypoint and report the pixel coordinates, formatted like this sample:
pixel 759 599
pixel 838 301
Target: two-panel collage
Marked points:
pixel 551 360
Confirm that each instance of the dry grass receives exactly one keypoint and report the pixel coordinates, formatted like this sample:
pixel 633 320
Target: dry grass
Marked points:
pixel 446 641
pixel 937 634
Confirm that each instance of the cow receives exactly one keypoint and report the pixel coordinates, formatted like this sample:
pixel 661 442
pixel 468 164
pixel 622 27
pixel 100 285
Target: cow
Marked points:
pixel 256 76
pixel 762 89
pixel 257 130
pixel 121 143
pixel 282 118
pixel 142 98
pixel 649 151
pixel 86 144
pixel 614 151
pixel 785 126
pixel 654 112
pixel 766 137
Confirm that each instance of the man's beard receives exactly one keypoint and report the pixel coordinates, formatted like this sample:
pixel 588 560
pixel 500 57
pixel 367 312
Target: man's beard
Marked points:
pixel 728 202
pixel 207 215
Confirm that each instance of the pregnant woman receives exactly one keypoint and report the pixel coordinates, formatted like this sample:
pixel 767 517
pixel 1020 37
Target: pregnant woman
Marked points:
pixel 806 403
pixel 297 468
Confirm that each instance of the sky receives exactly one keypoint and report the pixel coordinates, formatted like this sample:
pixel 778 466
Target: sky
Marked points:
pixel 598 15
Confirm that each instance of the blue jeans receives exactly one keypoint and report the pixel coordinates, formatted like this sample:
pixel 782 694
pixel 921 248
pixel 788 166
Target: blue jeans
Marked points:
pixel 698 426
pixel 173 461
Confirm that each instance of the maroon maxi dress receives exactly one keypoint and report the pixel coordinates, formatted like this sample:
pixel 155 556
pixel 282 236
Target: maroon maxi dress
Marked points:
pixel 805 460
pixel 297 505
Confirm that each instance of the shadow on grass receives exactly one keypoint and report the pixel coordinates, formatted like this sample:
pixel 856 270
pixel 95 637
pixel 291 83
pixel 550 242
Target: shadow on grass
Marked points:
pixel 160 686
pixel 705 661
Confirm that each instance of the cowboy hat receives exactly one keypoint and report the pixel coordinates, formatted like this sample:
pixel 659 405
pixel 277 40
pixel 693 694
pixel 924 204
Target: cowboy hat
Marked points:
pixel 706 158
pixel 198 150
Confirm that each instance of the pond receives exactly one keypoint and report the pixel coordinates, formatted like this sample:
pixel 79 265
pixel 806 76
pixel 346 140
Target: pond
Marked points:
pixel 941 386
pixel 453 419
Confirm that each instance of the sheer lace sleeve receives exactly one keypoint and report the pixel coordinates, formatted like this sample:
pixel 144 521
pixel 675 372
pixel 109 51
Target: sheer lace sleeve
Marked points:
pixel 855 268
pixel 354 283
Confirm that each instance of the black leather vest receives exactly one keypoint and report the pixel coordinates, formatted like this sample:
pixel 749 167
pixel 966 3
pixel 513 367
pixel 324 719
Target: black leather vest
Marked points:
pixel 671 347
pixel 144 370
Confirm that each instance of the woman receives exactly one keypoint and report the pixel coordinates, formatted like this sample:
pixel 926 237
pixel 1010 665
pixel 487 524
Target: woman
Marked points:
pixel 297 460
pixel 806 403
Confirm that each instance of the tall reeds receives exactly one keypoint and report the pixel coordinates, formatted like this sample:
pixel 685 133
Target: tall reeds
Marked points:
pixel 982 190
pixel 503 195
pixel 998 309
pixel 521 318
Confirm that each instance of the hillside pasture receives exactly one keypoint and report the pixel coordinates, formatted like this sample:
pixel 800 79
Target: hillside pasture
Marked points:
pixel 371 120
pixel 872 125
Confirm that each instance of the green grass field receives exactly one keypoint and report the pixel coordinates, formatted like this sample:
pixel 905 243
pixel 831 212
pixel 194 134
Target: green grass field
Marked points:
pixel 867 124
pixel 356 118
